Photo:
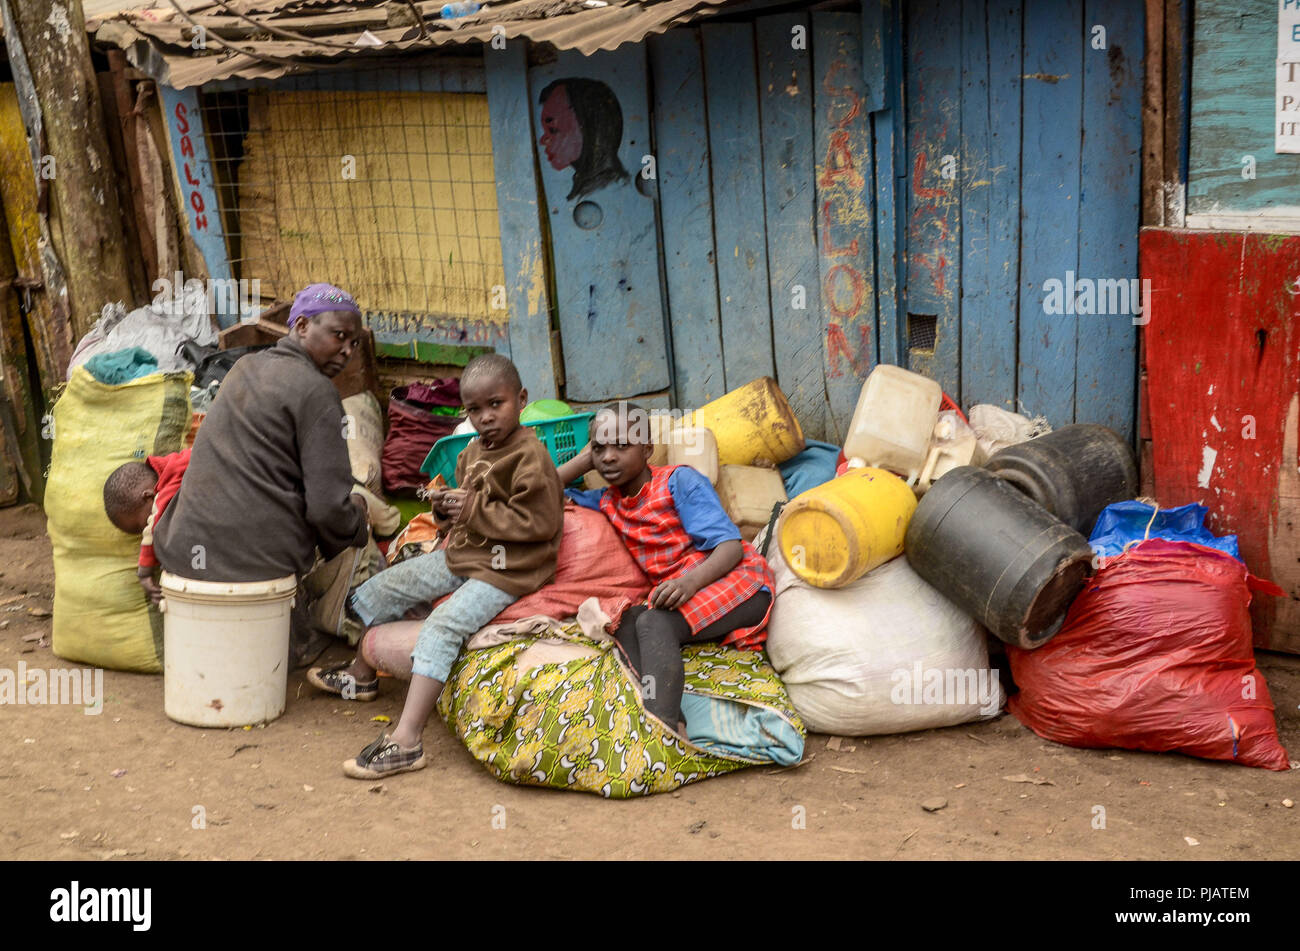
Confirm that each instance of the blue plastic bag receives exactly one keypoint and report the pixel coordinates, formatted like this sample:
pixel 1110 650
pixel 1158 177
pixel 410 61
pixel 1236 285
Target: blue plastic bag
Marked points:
pixel 1126 522
pixel 122 366
pixel 809 469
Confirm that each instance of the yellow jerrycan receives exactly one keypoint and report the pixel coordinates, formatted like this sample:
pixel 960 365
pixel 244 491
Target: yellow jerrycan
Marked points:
pixel 835 533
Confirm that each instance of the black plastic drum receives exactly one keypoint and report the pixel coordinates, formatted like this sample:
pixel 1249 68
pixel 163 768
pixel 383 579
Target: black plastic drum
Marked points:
pixel 1074 472
pixel 998 555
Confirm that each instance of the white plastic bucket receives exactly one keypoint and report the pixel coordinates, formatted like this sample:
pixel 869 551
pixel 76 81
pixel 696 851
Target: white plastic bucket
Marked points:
pixel 225 650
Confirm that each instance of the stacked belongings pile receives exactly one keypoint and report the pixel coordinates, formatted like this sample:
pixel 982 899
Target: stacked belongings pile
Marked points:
pixel 1151 652
pixel 1138 640
pixel 1155 654
pixel 126 399
pixel 864 643
pixel 894 557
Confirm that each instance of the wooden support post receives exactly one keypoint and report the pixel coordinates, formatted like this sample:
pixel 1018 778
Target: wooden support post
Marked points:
pixel 74 162
pixel 529 341
pixel 20 444
pixel 119 112
pixel 176 247
pixel 1153 117
pixel 1177 88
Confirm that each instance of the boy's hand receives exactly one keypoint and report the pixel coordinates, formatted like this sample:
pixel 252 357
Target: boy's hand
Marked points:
pixel 673 593
pixel 152 589
pixel 451 503
pixel 576 467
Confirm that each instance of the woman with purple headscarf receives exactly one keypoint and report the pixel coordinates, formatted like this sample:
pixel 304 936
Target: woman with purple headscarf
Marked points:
pixel 269 482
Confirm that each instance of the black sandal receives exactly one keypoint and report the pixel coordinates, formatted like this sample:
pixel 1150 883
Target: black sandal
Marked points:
pixel 385 758
pixel 338 681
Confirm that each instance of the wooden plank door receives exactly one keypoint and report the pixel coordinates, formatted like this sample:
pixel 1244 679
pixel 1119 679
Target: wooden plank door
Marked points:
pixel 990 210
pixel 768 188
pixel 686 216
pixel 591 123
pixel 736 159
pixel 934 259
pixel 845 214
pixel 787 93
pixel 1109 200
pixel 1023 139
pixel 1049 204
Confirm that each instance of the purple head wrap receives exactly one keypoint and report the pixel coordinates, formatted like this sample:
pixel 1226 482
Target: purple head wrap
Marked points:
pixel 318 298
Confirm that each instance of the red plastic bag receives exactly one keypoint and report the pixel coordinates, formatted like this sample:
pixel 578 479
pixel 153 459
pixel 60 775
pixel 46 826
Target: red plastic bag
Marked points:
pixel 412 431
pixel 592 562
pixel 1155 655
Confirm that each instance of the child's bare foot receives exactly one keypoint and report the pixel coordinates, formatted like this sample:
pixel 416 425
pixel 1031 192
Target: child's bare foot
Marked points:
pixel 346 681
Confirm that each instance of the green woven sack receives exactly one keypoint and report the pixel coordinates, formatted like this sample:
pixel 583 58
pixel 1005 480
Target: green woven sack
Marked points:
pixel 101 615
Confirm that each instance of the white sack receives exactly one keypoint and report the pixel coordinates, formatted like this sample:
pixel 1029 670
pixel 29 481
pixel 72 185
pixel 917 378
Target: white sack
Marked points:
pixel 997 428
pixel 885 654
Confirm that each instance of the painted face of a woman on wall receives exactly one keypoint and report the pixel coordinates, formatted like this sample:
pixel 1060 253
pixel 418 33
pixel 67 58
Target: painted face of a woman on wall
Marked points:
pixel 561 134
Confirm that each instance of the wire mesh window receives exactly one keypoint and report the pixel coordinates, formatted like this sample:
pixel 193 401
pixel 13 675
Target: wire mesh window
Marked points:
pixel 922 331
pixel 389 193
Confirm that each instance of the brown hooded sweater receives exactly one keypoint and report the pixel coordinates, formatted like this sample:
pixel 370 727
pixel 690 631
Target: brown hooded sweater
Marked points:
pixel 509 529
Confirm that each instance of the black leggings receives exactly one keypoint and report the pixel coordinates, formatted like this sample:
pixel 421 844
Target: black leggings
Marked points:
pixel 652 639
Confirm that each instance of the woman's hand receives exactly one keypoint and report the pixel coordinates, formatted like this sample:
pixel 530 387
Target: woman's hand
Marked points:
pixel 673 593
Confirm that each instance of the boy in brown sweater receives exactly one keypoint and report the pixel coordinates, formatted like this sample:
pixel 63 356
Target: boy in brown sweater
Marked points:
pixel 504 525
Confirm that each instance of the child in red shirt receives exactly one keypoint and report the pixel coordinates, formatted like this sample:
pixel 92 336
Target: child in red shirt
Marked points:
pixel 135 496
pixel 709 584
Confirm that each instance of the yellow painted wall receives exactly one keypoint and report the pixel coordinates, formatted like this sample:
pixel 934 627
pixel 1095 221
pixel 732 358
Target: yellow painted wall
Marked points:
pixel 414 232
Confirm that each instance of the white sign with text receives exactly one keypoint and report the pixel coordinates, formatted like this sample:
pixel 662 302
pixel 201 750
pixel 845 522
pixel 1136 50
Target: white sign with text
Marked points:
pixel 1287 125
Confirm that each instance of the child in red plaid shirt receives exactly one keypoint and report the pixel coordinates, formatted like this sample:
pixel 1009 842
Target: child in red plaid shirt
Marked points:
pixel 709 585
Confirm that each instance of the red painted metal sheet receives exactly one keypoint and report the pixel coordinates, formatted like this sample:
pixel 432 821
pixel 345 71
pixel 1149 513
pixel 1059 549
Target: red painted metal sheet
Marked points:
pixel 1223 387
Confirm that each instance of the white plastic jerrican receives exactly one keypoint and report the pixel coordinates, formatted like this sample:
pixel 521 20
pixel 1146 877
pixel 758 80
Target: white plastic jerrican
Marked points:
pixel 225 650
pixel 893 421
pixel 954 445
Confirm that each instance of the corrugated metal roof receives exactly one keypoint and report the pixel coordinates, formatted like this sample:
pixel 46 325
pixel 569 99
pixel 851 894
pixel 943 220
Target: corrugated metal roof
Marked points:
pixel 252 39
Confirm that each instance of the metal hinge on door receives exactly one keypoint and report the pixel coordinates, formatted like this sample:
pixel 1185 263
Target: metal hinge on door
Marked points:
pixel 27 285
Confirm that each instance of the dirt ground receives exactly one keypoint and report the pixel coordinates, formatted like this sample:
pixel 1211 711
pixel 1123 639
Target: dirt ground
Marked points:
pixel 126 784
